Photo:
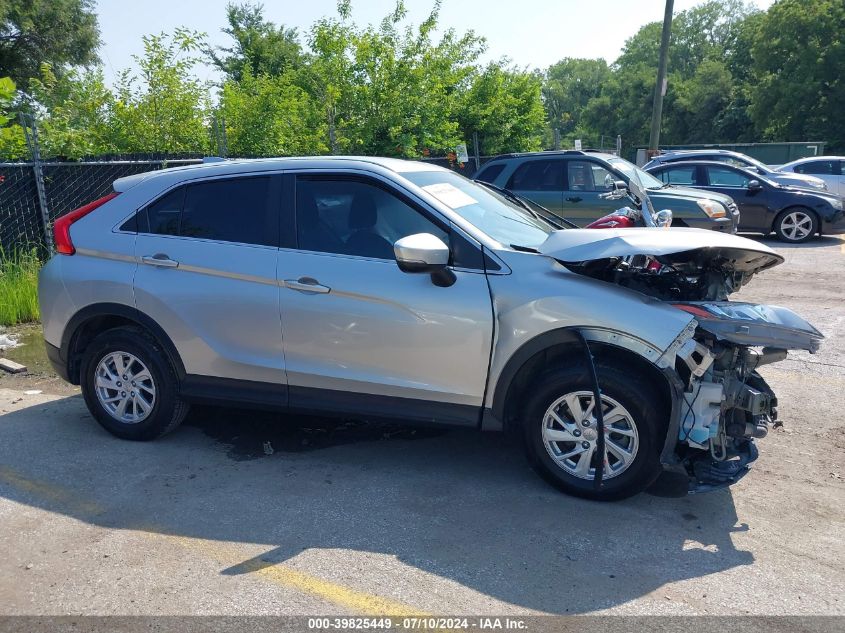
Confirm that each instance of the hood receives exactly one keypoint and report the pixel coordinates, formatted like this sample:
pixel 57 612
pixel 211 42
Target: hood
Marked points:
pixel 798 180
pixel 687 193
pixel 740 253
pixel 669 264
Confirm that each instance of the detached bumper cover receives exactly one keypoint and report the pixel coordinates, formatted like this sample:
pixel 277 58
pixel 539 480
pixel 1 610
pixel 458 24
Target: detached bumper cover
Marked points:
pixel 756 325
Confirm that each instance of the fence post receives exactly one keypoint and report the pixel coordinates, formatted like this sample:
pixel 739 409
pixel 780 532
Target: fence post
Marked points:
pixel 476 152
pixel 31 136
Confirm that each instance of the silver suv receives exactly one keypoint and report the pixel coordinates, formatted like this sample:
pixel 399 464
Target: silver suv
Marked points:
pixel 379 288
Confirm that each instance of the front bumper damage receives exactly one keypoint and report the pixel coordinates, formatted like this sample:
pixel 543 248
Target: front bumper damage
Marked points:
pixel 721 404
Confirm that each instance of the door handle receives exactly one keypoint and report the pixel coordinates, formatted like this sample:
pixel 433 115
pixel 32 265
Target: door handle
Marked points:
pixel 308 285
pixel 159 259
pixel 574 199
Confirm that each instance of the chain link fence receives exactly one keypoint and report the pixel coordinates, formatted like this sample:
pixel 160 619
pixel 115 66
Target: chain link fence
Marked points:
pixel 25 223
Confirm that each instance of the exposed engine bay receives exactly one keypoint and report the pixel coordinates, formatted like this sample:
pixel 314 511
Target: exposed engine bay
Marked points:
pixel 725 404
pixel 691 276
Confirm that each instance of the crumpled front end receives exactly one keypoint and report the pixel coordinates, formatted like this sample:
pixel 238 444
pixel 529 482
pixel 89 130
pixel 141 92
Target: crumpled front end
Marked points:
pixel 725 404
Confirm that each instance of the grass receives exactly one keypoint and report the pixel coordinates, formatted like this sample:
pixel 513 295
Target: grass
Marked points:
pixel 19 287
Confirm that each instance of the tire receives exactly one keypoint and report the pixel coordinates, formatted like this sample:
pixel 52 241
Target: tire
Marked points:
pixel 638 400
pixel 796 225
pixel 156 409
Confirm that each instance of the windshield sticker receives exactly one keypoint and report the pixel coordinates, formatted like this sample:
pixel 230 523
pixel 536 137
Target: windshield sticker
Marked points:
pixel 450 195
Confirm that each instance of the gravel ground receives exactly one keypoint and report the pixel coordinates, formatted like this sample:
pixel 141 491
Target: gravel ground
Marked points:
pixel 237 513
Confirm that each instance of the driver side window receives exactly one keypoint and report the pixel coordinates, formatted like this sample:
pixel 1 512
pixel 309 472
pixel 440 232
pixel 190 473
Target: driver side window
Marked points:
pixel 588 176
pixel 353 217
pixel 721 177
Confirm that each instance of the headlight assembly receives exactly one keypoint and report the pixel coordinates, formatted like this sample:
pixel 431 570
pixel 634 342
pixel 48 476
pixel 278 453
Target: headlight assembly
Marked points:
pixel 712 208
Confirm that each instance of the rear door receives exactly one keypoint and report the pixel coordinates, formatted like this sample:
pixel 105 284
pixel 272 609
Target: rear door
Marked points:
pixel 540 180
pixel 754 212
pixel 207 274
pixel 586 181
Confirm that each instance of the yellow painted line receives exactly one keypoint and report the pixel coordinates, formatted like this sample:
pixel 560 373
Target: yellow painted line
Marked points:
pixel 50 492
pixel 356 601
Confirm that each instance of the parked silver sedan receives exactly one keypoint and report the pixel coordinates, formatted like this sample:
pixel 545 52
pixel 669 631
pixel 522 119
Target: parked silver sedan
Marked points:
pixel 831 169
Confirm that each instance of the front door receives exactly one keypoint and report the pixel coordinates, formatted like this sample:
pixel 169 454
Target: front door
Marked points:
pixel 753 205
pixel 207 274
pixel 586 181
pixel 360 335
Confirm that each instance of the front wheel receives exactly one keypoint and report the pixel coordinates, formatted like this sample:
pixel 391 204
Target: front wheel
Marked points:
pixel 561 435
pixel 796 225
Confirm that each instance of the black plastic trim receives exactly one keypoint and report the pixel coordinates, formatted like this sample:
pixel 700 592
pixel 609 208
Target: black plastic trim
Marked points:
pixel 245 393
pixel 97 310
pixel 54 355
pixel 520 357
pixel 352 404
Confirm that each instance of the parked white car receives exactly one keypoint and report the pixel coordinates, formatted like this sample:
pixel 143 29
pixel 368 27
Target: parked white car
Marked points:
pixel 831 169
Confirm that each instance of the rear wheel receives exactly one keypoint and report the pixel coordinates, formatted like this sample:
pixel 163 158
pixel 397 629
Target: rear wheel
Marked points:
pixel 130 386
pixel 796 225
pixel 561 435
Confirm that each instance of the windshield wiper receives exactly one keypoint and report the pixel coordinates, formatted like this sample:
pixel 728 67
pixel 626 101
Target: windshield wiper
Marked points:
pixel 510 195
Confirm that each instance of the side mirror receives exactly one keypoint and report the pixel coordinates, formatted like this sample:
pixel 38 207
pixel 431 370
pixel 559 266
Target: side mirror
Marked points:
pixel 424 253
pixel 754 185
pixel 619 185
pixel 663 218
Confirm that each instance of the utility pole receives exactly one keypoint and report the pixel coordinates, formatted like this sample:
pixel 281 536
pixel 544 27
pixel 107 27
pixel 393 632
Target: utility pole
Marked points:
pixel 660 85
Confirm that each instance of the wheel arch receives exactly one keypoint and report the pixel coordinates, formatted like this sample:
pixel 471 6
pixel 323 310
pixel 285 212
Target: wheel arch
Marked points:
pixel 88 322
pixel 536 355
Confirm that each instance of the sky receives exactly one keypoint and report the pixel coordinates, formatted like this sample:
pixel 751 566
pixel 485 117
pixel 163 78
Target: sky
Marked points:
pixel 532 33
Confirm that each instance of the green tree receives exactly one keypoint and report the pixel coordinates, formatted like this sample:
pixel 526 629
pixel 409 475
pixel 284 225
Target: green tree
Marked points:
pixel 799 54
pixel 167 108
pixel 12 144
pixel 270 116
pixel 568 87
pixel 77 109
pixel 259 45
pixel 59 32
pixel 504 107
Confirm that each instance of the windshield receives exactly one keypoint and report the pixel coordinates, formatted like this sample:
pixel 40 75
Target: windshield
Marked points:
pixel 748 160
pixel 503 220
pixel 644 179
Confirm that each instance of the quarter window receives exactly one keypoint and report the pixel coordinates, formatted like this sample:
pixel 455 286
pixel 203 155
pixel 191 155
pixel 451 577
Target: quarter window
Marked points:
pixel 490 173
pixel 352 217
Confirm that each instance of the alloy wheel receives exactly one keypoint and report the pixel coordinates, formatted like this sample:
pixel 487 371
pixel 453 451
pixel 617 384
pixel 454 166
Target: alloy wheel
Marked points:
pixel 125 387
pixel 570 435
pixel 796 225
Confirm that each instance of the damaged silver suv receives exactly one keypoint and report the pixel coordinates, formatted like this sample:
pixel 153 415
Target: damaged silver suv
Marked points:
pixel 379 288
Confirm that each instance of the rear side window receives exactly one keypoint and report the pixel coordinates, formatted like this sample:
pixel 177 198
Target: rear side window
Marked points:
pixel 490 173
pixel 238 210
pixel 819 167
pixel 242 210
pixel 538 175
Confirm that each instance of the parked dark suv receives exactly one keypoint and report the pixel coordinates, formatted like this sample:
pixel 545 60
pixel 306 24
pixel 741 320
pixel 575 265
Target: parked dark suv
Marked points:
pixel 571 184
pixel 795 215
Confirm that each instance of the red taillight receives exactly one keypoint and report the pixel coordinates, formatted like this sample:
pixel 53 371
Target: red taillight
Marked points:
pixel 61 227
pixel 694 310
